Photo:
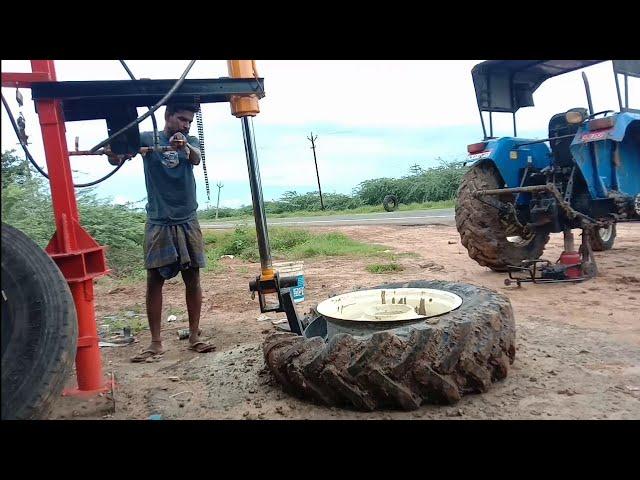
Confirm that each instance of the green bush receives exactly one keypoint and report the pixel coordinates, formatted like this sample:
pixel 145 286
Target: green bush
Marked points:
pixel 436 184
pixel 431 185
pixel 26 205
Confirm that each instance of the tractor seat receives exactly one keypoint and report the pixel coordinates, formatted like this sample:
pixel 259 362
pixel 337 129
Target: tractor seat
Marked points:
pixel 559 126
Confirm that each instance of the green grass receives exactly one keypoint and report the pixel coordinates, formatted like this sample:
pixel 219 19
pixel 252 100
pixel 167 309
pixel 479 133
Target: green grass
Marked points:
pixel 384 268
pixel 428 205
pixel 360 210
pixel 286 244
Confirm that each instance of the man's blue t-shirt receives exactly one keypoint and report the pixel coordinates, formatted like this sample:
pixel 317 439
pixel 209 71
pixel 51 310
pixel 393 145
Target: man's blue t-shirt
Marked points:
pixel 171 186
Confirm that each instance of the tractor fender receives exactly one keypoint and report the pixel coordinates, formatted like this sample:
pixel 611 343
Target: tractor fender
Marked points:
pixel 623 123
pixel 509 161
pixel 616 164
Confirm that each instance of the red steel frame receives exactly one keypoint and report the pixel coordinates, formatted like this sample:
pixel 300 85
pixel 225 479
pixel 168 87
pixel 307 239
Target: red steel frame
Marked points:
pixel 80 258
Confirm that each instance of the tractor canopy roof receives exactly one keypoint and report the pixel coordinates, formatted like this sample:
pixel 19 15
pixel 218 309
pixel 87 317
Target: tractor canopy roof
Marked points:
pixel 508 85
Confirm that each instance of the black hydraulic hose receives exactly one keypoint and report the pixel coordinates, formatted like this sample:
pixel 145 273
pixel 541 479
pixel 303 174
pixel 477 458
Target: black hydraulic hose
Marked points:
pixel 127 69
pixel 138 120
pixel 90 184
pixel 33 162
pixel 153 115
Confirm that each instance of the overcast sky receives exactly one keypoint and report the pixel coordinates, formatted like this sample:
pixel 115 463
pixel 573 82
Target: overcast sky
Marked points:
pixel 372 119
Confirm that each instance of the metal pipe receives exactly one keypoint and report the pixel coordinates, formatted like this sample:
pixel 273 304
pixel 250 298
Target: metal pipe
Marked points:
pixel 570 211
pixel 491 124
pixel 626 91
pixel 88 359
pixel 545 140
pixel 484 130
pixel 586 86
pixel 141 151
pixel 569 244
pixel 501 191
pixel 259 214
pixel 615 76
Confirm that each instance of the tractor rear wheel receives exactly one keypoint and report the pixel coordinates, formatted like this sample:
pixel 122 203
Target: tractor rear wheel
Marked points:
pixel 437 360
pixel 481 230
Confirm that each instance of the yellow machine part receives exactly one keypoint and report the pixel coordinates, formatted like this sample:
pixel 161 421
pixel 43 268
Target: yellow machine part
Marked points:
pixel 267 274
pixel 243 105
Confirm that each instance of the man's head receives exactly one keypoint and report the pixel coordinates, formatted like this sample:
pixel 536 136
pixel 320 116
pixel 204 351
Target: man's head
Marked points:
pixel 178 117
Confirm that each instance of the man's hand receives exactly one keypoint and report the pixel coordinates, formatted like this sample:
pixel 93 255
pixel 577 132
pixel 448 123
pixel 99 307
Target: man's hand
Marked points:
pixel 115 159
pixel 179 142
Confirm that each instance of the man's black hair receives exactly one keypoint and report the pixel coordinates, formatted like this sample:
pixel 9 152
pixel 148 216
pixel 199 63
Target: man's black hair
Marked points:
pixel 172 108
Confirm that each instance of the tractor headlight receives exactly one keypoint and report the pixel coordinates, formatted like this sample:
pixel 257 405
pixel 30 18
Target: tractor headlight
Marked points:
pixel 575 116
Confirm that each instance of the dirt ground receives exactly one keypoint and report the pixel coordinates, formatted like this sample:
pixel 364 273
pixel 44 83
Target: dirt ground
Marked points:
pixel 578 345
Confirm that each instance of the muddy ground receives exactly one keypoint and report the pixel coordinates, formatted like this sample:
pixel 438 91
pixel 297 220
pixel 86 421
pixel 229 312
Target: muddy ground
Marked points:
pixel 578 345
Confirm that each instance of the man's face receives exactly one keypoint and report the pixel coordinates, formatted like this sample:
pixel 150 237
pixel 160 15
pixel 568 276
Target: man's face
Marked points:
pixel 180 121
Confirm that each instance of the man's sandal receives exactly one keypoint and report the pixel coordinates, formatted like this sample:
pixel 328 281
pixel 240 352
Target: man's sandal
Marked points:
pixel 146 355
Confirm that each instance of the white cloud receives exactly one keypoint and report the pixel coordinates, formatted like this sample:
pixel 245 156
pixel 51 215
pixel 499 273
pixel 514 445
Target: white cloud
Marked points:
pixel 358 98
pixel 368 93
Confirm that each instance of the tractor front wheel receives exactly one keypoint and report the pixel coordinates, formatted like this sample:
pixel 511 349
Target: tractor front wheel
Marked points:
pixel 602 239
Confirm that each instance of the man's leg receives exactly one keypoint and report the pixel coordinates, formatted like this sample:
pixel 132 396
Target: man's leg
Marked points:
pixel 191 278
pixel 154 308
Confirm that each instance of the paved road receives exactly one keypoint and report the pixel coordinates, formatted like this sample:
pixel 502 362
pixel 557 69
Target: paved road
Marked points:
pixel 413 217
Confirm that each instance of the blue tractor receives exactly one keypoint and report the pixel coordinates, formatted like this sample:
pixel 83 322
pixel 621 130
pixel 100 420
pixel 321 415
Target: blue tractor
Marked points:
pixel 585 175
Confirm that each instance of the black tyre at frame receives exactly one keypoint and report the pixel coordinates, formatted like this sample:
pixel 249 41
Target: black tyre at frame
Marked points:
pixel 39 328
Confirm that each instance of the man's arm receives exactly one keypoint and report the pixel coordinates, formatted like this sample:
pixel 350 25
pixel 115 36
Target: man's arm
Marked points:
pixel 193 151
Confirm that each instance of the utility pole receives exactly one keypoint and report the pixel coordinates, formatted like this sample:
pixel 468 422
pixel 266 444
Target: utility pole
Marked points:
pixel 313 139
pixel 219 185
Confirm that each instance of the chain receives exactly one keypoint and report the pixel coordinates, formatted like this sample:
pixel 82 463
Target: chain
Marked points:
pixel 200 125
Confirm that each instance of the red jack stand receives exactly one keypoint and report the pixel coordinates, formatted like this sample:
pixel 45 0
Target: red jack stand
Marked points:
pixel 570 257
pixel 572 266
pixel 76 253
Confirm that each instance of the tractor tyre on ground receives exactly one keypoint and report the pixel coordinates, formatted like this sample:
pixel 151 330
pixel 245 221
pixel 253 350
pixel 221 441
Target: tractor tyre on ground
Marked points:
pixel 39 328
pixel 390 203
pixel 482 233
pixel 602 239
pixel 437 360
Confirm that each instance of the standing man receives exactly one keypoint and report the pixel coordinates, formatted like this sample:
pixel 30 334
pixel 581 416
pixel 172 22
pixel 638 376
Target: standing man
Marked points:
pixel 172 238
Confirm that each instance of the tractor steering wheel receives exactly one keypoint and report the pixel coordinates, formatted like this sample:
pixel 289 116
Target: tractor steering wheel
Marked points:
pixel 599 113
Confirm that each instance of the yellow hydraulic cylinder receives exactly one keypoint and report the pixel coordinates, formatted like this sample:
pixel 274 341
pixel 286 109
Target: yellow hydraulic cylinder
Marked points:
pixel 243 105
